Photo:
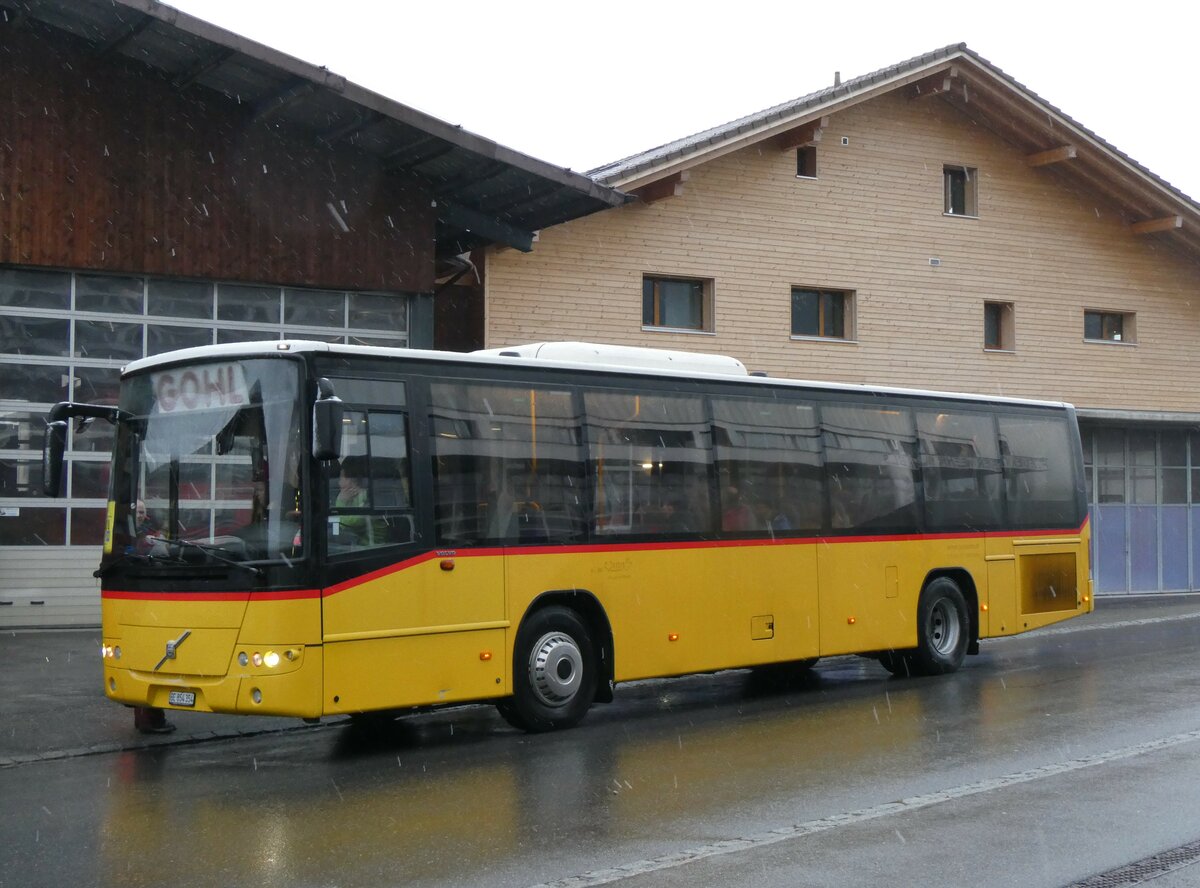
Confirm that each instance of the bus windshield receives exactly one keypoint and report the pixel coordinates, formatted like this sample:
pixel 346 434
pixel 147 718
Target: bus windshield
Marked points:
pixel 207 465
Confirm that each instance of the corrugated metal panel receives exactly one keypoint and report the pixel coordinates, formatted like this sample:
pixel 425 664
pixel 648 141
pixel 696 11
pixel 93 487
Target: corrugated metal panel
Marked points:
pixel 45 586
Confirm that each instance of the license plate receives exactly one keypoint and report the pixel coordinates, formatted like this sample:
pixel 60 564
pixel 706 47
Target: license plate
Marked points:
pixel 182 698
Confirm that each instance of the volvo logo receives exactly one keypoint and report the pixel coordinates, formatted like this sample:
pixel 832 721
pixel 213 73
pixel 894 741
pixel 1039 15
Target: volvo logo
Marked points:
pixel 172 647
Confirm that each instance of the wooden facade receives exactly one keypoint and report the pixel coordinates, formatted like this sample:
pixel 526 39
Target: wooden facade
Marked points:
pixel 870 223
pixel 108 166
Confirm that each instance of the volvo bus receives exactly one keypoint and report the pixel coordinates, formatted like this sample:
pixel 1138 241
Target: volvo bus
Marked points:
pixel 306 529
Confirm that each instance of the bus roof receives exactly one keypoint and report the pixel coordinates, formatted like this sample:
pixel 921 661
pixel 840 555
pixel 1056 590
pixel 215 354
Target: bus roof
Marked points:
pixel 585 356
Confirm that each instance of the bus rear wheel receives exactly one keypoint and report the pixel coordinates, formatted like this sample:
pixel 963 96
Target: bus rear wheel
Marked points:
pixel 943 633
pixel 554 672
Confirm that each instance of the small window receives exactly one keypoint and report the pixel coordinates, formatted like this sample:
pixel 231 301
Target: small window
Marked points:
pixel 806 162
pixel 828 314
pixel 998 326
pixel 1109 326
pixel 677 304
pixel 960 198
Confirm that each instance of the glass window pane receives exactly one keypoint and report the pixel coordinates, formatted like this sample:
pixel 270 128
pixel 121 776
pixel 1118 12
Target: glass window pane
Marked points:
pixel 1112 485
pixel 374 311
pixel 651 459
pixel 961 467
pixel 35 336
pixel 1141 448
pixel 24 526
pixel 769 465
pixel 507 464
pixel 374 340
pixel 1142 486
pixel 87 526
pixel 89 480
pixel 20 477
pixel 259 305
pixel 834 323
pixel 1174 486
pixel 162 338
pixel 1091 325
pixel 22 430
pixel 1038 471
pixel 108 339
pixel 33 382
pixel 97 385
pixel 806 313
pixel 314 308
pixel 681 304
pixel 870 467
pixel 21 288
pixel 1087 436
pixel 233 335
pixel 1174 448
pixel 339 338
pixel 1110 447
pixel 180 299
pixel 118 295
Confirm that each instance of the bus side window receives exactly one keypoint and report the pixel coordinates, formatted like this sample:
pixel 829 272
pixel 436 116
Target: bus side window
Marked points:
pixel 870 463
pixel 508 465
pixel 651 456
pixel 960 464
pixel 1037 452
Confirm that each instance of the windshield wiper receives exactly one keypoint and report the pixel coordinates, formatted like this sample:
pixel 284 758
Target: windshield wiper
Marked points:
pixel 212 552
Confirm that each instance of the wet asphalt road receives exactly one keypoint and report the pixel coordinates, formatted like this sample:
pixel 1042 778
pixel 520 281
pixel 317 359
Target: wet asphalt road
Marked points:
pixel 1048 758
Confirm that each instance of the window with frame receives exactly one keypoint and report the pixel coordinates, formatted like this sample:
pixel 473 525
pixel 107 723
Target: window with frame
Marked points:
pixel 826 314
pixel 806 162
pixel 998 326
pixel 1109 326
pixel 960 191
pixel 677 303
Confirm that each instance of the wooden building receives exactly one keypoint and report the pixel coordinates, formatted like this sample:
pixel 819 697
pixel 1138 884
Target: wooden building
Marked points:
pixel 935 225
pixel 165 183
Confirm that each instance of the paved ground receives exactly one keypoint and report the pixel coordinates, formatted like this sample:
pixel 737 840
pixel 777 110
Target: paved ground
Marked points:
pixel 52 703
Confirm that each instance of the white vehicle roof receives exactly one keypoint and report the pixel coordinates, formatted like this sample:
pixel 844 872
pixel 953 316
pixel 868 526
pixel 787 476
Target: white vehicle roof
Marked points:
pixel 567 356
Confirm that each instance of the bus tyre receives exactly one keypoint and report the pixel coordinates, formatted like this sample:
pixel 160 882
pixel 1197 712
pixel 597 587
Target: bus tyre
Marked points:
pixel 943 633
pixel 554 672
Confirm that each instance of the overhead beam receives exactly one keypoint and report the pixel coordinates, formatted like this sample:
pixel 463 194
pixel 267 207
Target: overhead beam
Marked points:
pixel 1054 155
pixel 290 93
pixel 360 122
pixel 671 186
pixel 1152 226
pixel 935 84
pixel 485 226
pixel 203 65
pixel 805 134
pixel 126 34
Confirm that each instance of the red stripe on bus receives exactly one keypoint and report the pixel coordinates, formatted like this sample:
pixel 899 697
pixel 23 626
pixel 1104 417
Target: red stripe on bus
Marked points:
pixel 594 548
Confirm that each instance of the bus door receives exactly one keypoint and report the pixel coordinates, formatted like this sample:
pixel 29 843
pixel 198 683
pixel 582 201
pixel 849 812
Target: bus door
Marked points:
pixel 413 612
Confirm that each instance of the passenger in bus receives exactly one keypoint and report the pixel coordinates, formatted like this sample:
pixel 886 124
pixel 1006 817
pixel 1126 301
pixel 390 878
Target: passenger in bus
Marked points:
pixel 738 514
pixel 359 529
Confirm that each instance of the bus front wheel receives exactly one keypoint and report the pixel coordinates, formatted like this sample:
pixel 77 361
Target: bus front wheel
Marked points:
pixel 943 633
pixel 554 672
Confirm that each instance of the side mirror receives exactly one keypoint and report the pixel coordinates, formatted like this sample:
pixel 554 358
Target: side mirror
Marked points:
pixel 328 412
pixel 53 449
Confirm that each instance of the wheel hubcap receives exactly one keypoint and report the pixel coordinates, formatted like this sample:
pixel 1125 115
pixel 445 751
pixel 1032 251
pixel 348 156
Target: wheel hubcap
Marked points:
pixel 943 628
pixel 555 669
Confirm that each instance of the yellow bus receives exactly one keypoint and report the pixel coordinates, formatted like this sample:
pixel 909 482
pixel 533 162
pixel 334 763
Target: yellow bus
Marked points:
pixel 305 529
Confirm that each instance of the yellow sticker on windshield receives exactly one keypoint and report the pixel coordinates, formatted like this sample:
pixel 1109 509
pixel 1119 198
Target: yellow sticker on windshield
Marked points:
pixel 108 527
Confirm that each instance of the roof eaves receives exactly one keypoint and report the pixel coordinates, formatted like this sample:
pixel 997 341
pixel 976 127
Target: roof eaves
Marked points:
pixel 628 167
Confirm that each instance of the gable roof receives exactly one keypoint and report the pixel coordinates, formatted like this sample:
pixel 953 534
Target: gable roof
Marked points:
pixel 981 91
pixel 484 191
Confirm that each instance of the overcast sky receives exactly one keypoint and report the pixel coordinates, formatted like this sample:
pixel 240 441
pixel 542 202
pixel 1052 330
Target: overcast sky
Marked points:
pixel 580 84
